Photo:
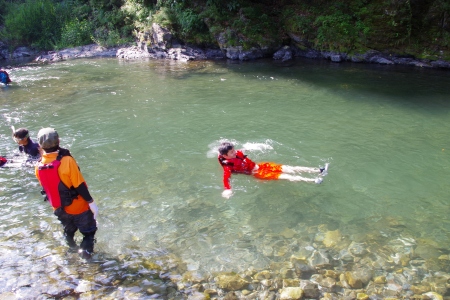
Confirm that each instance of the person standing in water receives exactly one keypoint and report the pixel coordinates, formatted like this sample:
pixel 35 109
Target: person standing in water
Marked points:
pixel 67 192
pixel 234 161
pixel 4 77
pixel 22 137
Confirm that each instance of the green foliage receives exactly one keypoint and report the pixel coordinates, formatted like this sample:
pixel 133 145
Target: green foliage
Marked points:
pixel 336 32
pixel 418 27
pixel 165 17
pixel 232 5
pixel 137 14
pixel 3 9
pixel 300 23
pixel 111 28
pixel 106 5
pixel 75 33
pixel 35 22
pixel 189 21
pixel 188 24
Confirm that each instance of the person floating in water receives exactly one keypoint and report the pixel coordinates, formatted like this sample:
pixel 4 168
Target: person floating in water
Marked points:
pixel 4 77
pixel 67 192
pixel 234 161
pixel 22 137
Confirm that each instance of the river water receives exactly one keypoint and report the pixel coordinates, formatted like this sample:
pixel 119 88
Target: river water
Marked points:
pixel 145 135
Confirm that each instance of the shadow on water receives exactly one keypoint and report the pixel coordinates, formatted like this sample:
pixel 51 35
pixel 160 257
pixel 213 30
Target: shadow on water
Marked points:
pixel 404 85
pixel 408 86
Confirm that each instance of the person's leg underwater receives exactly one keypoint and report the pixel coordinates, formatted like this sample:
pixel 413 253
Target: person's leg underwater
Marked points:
pixel 288 170
pixel 299 169
pixel 295 177
pixel 87 226
pixel 70 228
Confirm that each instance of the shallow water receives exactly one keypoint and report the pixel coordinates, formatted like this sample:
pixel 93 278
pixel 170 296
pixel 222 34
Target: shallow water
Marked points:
pixel 145 136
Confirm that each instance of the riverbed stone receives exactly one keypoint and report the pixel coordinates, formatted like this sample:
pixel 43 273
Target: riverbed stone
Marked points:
pixel 230 296
pixel 301 265
pixel 433 296
pixel 332 238
pixel 198 296
pixel 380 279
pixel 327 284
pixel 8 296
pixel 329 296
pixel 210 291
pixel 291 282
pixel 310 289
pixel 426 251
pixel 291 293
pixel 84 286
pixel 331 273
pixel 266 282
pixel 230 281
pixel 287 273
pixel 362 296
pixel 288 233
pixel 357 249
pixel 345 256
pixel 265 274
pixel 352 279
pixel 319 259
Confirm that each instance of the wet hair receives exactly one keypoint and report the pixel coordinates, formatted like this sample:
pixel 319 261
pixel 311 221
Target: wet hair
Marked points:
pixel 21 133
pixel 225 147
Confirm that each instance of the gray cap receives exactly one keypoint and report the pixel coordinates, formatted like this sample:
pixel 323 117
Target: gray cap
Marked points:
pixel 48 138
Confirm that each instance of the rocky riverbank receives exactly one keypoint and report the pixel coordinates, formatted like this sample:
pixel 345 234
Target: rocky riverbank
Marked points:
pixel 188 53
pixel 159 43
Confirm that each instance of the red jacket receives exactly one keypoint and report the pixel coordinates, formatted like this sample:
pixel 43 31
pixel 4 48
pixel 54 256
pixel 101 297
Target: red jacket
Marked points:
pixel 240 164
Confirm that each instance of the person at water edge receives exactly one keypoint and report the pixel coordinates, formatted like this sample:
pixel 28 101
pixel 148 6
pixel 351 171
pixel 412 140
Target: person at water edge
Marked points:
pixel 67 192
pixel 22 137
pixel 234 161
pixel 4 77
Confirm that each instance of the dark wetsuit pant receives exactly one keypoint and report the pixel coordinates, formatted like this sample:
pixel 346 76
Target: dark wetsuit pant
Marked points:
pixel 83 222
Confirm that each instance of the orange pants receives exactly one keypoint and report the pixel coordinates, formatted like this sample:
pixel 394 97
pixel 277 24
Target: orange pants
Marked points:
pixel 268 171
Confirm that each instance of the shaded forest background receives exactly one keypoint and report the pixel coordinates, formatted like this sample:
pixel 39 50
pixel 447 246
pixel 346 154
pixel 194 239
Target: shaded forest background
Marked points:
pixel 412 27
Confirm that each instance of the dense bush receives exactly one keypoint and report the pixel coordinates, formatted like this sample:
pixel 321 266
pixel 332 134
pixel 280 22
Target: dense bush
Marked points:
pixel 75 33
pixel 36 23
pixel 417 27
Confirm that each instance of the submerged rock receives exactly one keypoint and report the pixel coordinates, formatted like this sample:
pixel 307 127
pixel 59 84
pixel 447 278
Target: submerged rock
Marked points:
pixel 433 296
pixel 231 281
pixel 310 289
pixel 291 293
pixel 332 238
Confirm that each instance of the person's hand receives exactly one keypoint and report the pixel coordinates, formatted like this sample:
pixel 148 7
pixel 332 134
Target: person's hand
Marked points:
pixel 93 207
pixel 227 194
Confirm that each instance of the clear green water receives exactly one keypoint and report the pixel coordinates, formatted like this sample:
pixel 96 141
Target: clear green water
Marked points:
pixel 145 133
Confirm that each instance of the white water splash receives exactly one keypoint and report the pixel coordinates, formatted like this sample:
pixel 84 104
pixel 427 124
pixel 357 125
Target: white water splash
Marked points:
pixel 258 146
pixel 248 146
pixel 9 118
